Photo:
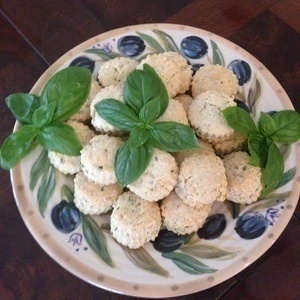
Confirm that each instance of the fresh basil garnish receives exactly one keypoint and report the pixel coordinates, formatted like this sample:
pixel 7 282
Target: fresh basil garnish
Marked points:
pixel 43 117
pixel 281 127
pixel 145 100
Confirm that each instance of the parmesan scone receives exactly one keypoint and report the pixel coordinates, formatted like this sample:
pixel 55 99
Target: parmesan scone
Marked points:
pixel 84 113
pixel 205 115
pixel 159 178
pixel 174 113
pixel 181 218
pixel 134 221
pixel 67 164
pixel 201 180
pixel 244 180
pixel 185 100
pixel 98 158
pixel 173 70
pixel 214 77
pixel 204 149
pixel 115 71
pixel 94 199
pixel 114 92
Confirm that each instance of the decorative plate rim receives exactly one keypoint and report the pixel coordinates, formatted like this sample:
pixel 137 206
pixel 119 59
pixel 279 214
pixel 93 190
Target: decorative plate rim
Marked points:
pixel 75 266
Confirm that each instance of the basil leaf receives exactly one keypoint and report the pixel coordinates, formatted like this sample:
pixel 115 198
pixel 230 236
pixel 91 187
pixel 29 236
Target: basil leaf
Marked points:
pixel 239 120
pixel 150 111
pixel 173 137
pixel 59 138
pixel 43 115
pixel 138 137
pixel 258 149
pixel 266 124
pixel 17 145
pixel 22 106
pixel 273 171
pixel 131 162
pixel 142 86
pixel 69 89
pixel 117 114
pixel 288 127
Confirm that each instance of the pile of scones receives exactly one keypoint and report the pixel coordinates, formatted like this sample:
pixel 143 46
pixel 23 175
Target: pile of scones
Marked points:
pixel 176 190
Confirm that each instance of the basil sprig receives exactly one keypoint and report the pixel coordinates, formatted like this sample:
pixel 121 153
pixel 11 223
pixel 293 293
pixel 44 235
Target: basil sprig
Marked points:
pixel 145 100
pixel 43 117
pixel 281 127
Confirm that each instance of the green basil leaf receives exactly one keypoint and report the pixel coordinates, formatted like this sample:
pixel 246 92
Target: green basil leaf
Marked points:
pixel 142 86
pixel 239 120
pixel 59 138
pixel 17 145
pixel 266 125
pixel 117 114
pixel 22 106
pixel 288 127
pixel 69 89
pixel 150 111
pixel 273 171
pixel 131 162
pixel 138 137
pixel 43 115
pixel 173 137
pixel 258 149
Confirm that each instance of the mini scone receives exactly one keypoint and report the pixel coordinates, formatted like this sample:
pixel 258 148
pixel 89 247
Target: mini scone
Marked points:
pixel 237 142
pixel 205 149
pixel 205 115
pixel 174 113
pixel 185 100
pixel 114 92
pixel 201 180
pixel 115 71
pixel 84 113
pixel 173 70
pixel 134 221
pixel 67 164
pixel 94 199
pixel 98 158
pixel 214 77
pixel 181 218
pixel 159 178
pixel 244 180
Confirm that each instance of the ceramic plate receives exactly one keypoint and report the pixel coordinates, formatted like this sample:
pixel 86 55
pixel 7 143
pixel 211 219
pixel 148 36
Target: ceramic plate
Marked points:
pixel 184 264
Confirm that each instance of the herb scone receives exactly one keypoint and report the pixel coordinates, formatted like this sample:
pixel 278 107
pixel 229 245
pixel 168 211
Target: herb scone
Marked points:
pixel 214 77
pixel 205 115
pixel 98 158
pixel 159 178
pixel 181 218
pixel 173 70
pixel 115 71
pixel 244 180
pixel 68 164
pixel 134 221
pixel 101 125
pixel 201 180
pixel 94 199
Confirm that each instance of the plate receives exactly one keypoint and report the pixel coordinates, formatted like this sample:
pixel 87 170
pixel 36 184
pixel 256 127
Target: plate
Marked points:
pixel 193 264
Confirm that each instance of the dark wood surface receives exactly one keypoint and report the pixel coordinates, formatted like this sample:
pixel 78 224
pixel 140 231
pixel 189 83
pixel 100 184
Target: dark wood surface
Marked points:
pixel 34 33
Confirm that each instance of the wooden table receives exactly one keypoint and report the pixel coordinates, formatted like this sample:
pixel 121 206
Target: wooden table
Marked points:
pixel 35 33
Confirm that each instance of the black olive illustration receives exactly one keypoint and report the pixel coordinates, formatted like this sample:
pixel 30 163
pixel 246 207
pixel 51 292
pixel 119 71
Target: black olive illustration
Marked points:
pixel 241 69
pixel 131 45
pixel 168 241
pixel 65 216
pixel 84 62
pixel 251 225
pixel 242 105
pixel 213 227
pixel 193 47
